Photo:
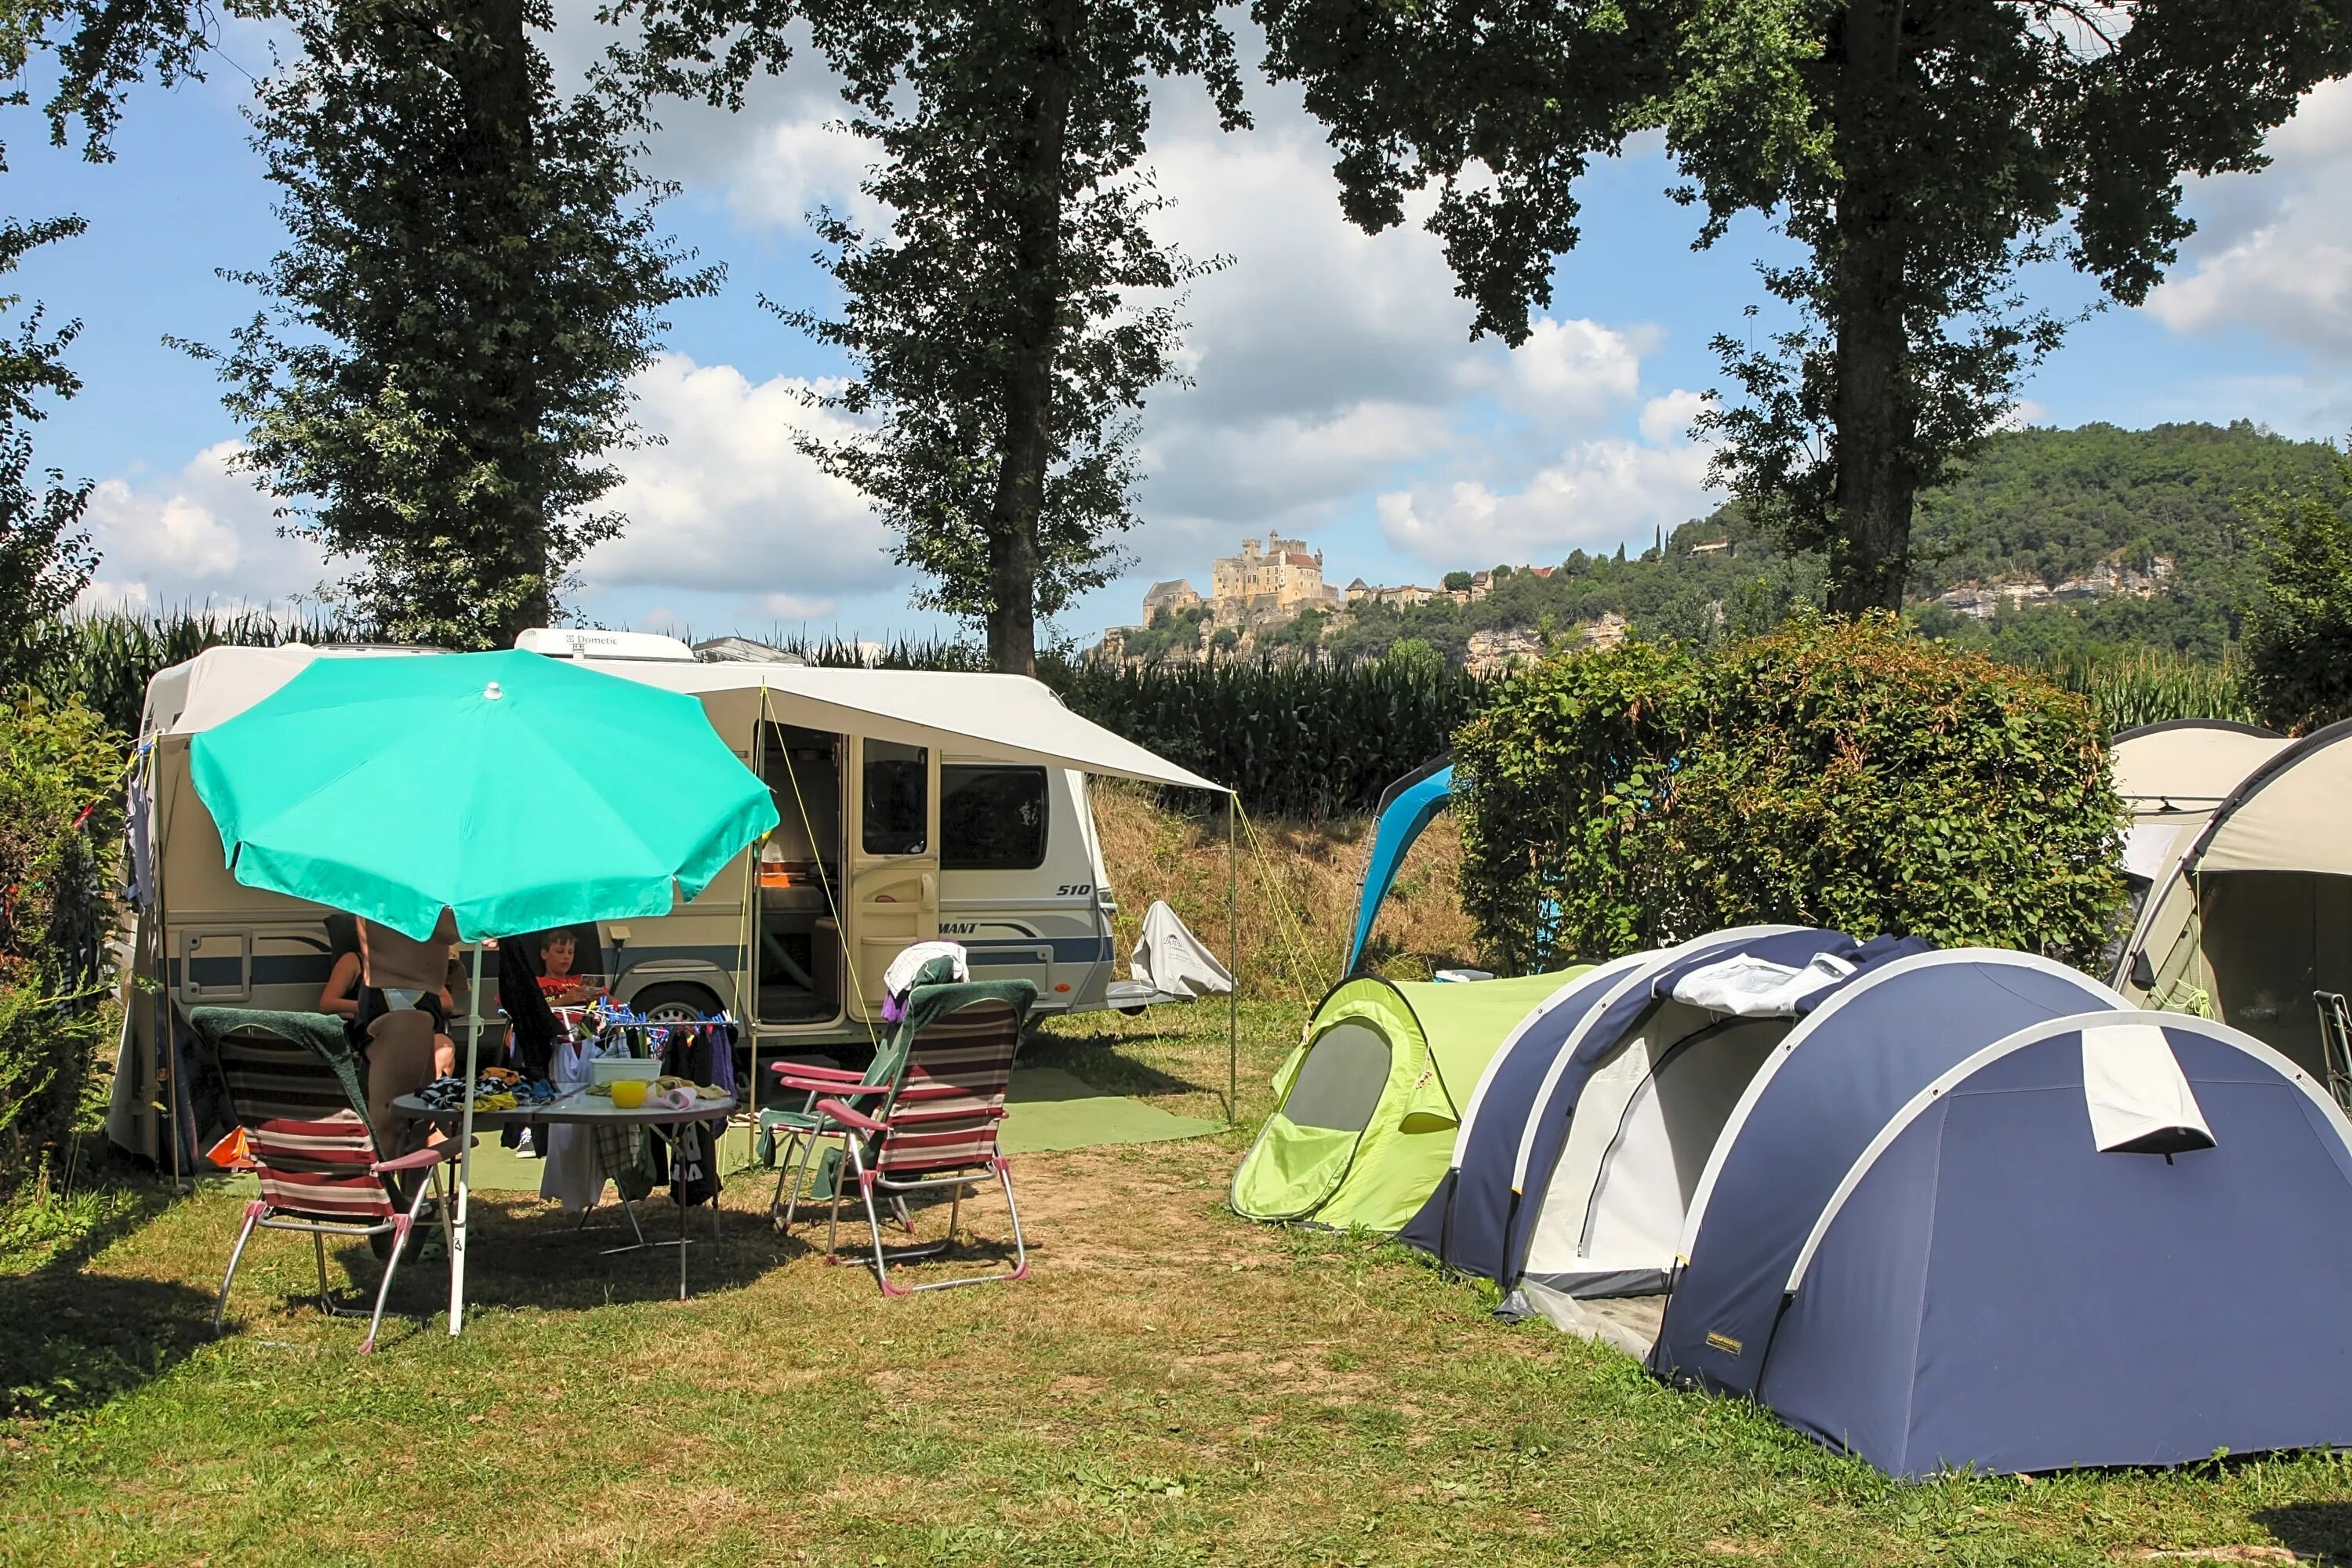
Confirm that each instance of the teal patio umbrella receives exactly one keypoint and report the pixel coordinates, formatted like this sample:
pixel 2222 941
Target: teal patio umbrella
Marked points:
pixel 516 791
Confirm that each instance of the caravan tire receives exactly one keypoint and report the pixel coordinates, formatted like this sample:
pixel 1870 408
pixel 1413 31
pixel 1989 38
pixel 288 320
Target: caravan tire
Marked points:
pixel 675 1004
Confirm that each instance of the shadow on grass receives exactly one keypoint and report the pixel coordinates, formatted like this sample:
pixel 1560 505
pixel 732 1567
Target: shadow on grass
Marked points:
pixel 2315 1532
pixel 75 1339
pixel 1099 1059
pixel 526 1256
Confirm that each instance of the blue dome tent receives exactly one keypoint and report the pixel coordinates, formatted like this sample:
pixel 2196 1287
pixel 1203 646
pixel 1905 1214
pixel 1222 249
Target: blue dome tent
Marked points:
pixel 2047 1258
pixel 1809 1113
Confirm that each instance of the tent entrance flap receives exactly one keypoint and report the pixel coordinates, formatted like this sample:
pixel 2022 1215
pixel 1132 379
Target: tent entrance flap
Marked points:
pixel 1639 1143
pixel 1309 1144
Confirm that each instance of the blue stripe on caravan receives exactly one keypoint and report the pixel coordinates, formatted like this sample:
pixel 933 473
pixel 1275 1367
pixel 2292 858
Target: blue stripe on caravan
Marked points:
pixel 1067 949
pixel 268 969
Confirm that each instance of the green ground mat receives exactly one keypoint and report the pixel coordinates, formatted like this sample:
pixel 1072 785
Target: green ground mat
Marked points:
pixel 1049 1109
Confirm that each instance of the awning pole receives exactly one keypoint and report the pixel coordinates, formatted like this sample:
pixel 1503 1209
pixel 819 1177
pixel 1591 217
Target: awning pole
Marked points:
pixel 466 1151
pixel 1233 947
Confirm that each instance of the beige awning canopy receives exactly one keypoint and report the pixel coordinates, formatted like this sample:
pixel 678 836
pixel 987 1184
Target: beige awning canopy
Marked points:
pixel 1008 717
pixel 2188 766
pixel 2296 814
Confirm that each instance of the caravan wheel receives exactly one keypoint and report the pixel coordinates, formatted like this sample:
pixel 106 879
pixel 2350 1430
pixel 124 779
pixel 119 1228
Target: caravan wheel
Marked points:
pixel 675 1004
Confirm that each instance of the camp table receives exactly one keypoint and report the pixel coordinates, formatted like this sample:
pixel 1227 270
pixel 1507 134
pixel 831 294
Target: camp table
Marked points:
pixel 578 1107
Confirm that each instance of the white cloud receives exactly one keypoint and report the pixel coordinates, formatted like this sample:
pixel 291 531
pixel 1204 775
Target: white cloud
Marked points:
pixel 729 504
pixel 1326 366
pixel 796 607
pixel 1576 368
pixel 1327 363
pixel 1594 494
pixel 206 536
pixel 1666 420
pixel 726 504
pixel 2274 250
pixel 788 169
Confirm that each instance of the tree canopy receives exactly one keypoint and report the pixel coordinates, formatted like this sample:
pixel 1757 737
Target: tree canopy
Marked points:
pixel 1008 324
pixel 474 273
pixel 1921 152
pixel 2299 629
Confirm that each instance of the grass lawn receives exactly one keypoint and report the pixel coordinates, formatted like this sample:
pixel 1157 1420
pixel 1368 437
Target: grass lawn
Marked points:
pixel 1172 1384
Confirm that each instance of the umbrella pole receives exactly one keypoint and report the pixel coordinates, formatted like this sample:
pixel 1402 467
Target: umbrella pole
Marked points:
pixel 466 1151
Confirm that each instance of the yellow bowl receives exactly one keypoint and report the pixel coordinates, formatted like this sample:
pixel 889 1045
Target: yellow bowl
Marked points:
pixel 628 1093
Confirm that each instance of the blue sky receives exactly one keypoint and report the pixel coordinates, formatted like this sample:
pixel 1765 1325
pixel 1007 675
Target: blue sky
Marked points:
pixel 1336 395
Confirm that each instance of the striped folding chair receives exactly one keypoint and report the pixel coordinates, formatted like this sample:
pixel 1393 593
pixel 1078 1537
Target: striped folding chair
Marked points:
pixel 936 1123
pixel 304 1115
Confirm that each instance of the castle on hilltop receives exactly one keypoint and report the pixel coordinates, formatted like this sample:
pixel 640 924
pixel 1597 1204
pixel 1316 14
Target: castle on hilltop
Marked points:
pixel 1265 585
pixel 1257 596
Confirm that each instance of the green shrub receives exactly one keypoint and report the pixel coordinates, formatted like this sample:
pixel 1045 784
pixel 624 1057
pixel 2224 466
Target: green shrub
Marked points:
pixel 1845 774
pixel 60 818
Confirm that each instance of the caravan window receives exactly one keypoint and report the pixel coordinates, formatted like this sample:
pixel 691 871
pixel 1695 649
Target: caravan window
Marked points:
pixel 896 791
pixel 991 818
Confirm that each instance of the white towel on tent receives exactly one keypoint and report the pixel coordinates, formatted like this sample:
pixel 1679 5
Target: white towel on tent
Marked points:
pixel 1171 960
pixel 1750 987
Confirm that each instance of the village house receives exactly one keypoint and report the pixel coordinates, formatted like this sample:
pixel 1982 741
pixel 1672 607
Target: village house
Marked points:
pixel 1173 597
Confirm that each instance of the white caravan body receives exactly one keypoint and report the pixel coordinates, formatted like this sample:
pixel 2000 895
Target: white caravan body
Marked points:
pixel 913 804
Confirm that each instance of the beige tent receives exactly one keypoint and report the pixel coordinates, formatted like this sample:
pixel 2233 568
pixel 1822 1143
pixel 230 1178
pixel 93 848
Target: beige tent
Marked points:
pixel 2251 911
pixel 2172 775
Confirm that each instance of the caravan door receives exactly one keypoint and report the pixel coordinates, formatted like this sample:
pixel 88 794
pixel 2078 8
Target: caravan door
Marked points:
pixel 894 862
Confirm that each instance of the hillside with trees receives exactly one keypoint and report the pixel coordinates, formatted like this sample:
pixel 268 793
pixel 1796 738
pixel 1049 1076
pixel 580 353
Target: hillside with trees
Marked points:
pixel 2092 537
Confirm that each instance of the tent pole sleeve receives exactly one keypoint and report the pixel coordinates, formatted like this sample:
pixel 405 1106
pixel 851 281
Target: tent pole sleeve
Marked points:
pixel 1233 947
pixel 466 1150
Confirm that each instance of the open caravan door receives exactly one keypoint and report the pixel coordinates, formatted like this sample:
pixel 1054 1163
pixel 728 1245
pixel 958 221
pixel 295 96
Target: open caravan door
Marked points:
pixel 893 861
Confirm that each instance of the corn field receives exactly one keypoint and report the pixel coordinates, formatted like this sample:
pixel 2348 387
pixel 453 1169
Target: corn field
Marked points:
pixel 2148 686
pixel 109 658
pixel 1300 741
pixel 1309 741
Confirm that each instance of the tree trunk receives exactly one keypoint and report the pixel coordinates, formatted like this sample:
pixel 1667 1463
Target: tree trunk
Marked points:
pixel 1027 446
pixel 498 156
pixel 1877 466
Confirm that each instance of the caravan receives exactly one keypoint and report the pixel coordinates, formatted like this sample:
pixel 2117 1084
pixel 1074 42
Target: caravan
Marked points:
pixel 913 804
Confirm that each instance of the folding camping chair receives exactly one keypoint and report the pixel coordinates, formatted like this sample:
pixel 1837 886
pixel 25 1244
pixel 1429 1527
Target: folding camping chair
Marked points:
pixel 304 1114
pixel 938 1092
pixel 2336 1045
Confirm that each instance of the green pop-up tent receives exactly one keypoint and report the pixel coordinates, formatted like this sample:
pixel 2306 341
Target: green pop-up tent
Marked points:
pixel 1366 1109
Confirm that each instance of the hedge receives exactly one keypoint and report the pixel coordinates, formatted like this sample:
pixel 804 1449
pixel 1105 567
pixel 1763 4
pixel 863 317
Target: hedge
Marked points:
pixel 1845 774
pixel 60 826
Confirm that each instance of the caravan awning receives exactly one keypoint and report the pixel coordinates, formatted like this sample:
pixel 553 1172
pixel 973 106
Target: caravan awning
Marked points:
pixel 999 716
pixel 1007 716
